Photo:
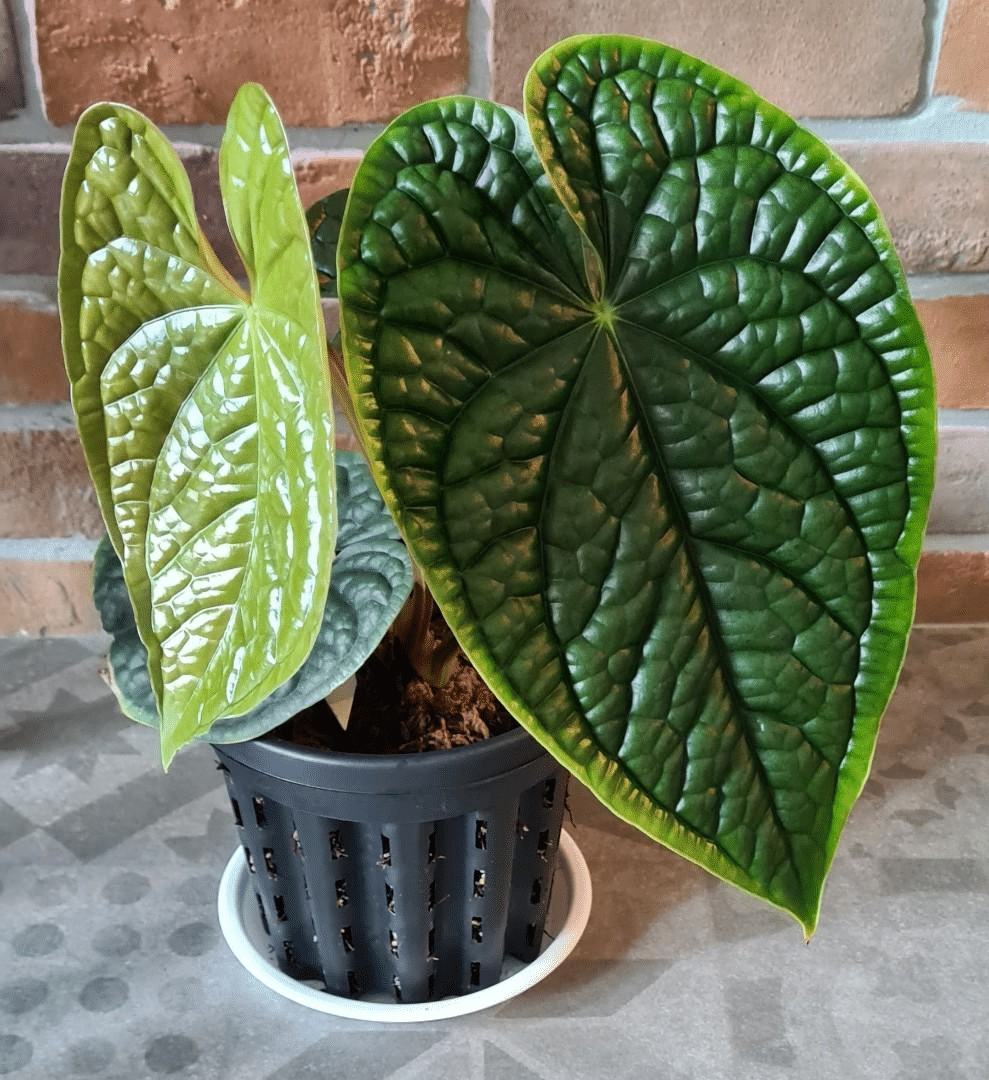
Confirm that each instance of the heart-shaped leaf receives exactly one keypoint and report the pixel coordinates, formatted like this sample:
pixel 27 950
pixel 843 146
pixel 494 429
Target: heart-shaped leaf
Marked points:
pixel 204 414
pixel 649 401
pixel 372 577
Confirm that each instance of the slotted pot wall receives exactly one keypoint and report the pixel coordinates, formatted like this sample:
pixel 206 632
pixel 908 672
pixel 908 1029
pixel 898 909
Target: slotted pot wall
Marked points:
pixel 406 875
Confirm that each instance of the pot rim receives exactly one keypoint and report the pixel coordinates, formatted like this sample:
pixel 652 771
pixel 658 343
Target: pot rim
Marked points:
pixel 386 773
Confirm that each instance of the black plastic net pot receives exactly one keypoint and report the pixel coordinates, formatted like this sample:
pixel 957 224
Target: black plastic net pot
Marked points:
pixel 409 875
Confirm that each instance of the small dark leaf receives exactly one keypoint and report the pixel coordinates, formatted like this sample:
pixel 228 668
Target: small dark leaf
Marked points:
pixel 324 218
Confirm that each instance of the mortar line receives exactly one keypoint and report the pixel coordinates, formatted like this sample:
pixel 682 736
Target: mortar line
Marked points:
pixel 942 286
pixel 935 15
pixel 71 548
pixel 47 549
pixel 22 15
pixel 965 418
pixel 479 32
pixel 24 418
pixel 964 542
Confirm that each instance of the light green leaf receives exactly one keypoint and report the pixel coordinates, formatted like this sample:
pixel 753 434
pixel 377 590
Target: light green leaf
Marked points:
pixel 204 413
pixel 647 396
pixel 372 578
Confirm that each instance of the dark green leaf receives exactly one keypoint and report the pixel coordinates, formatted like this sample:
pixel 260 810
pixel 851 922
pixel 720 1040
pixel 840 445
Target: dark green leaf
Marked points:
pixel 324 218
pixel 647 396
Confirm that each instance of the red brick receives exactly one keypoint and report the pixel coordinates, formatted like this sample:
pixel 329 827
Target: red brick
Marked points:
pixel 957 330
pixel 935 198
pixel 319 174
pixel 30 187
pixel 30 191
pixel 54 597
pixel 325 62
pixel 962 70
pixel 44 486
pixel 31 368
pixel 31 183
pixel 961 490
pixel 844 58
pixel 953 587
pixel 46 597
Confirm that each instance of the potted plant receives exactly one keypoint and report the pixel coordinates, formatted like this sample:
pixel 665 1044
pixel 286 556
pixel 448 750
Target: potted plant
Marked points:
pixel 206 418
pixel 639 381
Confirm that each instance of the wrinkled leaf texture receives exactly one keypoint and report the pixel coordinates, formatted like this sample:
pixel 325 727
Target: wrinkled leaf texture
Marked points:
pixel 372 578
pixel 324 218
pixel 204 413
pixel 643 386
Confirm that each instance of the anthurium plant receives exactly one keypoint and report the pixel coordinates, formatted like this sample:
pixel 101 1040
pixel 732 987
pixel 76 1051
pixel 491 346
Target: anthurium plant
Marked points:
pixel 206 419
pixel 638 379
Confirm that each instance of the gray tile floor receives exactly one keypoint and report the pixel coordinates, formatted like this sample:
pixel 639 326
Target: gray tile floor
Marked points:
pixel 112 964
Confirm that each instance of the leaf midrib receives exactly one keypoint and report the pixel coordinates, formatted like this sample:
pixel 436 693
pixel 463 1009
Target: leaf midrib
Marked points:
pixel 249 316
pixel 710 613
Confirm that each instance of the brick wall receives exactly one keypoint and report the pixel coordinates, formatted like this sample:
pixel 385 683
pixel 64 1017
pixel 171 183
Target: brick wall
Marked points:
pixel 899 87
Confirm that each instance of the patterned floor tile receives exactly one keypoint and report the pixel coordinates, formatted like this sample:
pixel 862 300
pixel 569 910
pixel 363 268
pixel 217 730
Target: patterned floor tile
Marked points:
pixel 112 818
pixel 375 1055
pixel 112 964
pixel 587 988
pixel 500 1066
pixel 23 662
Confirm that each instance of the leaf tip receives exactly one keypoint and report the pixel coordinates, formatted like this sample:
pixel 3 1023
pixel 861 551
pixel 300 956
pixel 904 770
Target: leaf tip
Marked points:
pixel 807 919
pixel 168 752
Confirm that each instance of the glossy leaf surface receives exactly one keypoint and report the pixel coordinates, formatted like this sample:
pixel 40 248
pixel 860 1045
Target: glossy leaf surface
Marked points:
pixel 324 218
pixel 648 398
pixel 372 577
pixel 204 413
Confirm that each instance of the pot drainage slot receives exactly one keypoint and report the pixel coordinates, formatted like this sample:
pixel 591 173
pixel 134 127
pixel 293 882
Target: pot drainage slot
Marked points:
pixel 264 917
pixel 337 850
pixel 549 792
pixel 280 909
pixel 259 812
pixel 481 835
pixel 542 845
pixel 393 943
pixel 390 898
pixel 530 934
pixel 341 887
pixel 397 983
pixel 385 859
pixel 537 891
pixel 478 884
pixel 431 848
pixel 353 985
pixel 476 929
pixel 250 859
pixel 347 939
pixel 238 820
pixel 269 862
pixel 475 973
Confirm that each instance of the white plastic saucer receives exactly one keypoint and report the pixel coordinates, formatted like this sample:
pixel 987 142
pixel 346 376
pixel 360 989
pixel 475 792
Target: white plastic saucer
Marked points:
pixel 569 910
